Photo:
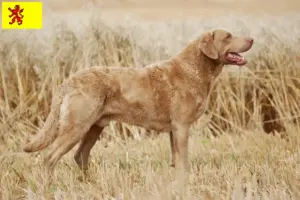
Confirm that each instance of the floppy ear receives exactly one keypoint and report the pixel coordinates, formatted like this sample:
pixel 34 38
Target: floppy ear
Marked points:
pixel 207 46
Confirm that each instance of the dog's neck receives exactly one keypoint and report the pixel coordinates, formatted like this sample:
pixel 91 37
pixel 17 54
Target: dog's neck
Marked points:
pixel 201 67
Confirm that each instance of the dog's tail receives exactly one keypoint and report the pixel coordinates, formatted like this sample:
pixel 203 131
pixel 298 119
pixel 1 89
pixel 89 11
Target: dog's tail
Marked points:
pixel 49 131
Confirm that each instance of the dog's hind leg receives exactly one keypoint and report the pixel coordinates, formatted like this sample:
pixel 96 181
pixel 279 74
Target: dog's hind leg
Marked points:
pixel 77 116
pixel 82 154
pixel 63 144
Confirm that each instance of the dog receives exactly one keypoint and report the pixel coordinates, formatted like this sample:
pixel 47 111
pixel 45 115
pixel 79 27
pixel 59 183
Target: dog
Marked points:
pixel 166 97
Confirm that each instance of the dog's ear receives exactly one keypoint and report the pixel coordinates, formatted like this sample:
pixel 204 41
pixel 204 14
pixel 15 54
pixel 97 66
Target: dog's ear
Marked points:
pixel 207 46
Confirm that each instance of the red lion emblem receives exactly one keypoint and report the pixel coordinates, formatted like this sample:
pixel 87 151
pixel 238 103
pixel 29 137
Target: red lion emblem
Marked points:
pixel 16 14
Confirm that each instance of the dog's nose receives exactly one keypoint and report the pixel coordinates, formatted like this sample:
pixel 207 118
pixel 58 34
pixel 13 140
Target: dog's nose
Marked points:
pixel 250 40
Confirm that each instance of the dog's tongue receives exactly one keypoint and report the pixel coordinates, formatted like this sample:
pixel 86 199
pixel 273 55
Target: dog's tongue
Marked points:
pixel 235 57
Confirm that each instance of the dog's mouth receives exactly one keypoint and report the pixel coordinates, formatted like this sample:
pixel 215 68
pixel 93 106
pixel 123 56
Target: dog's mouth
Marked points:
pixel 235 58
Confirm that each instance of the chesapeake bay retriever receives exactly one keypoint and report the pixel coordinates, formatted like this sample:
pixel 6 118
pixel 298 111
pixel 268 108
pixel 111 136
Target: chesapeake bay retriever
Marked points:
pixel 167 97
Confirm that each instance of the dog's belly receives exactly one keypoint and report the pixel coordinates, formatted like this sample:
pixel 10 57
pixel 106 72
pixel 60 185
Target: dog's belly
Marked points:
pixel 159 126
pixel 156 123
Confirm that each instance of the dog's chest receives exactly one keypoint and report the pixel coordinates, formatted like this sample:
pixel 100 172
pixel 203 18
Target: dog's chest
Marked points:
pixel 201 98
pixel 200 106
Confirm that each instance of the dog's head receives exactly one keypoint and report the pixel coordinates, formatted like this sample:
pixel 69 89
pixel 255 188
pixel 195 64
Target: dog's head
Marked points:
pixel 221 45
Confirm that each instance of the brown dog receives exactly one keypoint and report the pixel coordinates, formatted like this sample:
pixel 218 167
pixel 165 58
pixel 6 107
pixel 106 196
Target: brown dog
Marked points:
pixel 167 97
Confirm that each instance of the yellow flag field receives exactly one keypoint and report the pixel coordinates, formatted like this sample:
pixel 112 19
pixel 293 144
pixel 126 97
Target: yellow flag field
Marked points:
pixel 22 15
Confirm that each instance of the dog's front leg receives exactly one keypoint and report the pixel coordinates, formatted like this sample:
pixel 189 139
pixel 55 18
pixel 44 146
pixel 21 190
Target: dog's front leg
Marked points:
pixel 180 136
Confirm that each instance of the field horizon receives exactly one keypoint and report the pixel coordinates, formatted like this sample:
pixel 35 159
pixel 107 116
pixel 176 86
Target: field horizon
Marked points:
pixel 177 9
pixel 230 154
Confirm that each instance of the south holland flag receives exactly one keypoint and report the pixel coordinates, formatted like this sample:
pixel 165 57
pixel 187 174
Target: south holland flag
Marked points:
pixel 22 15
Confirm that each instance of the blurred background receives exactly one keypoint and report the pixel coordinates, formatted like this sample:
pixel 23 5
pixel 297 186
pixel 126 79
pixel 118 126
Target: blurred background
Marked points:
pixel 166 9
pixel 157 9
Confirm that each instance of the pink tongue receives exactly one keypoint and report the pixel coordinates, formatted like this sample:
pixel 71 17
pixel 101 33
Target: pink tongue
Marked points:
pixel 235 57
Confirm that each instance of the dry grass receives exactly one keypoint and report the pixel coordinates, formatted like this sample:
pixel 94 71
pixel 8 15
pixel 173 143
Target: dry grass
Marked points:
pixel 242 163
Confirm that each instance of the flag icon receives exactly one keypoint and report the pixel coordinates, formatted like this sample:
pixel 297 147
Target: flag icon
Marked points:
pixel 22 15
